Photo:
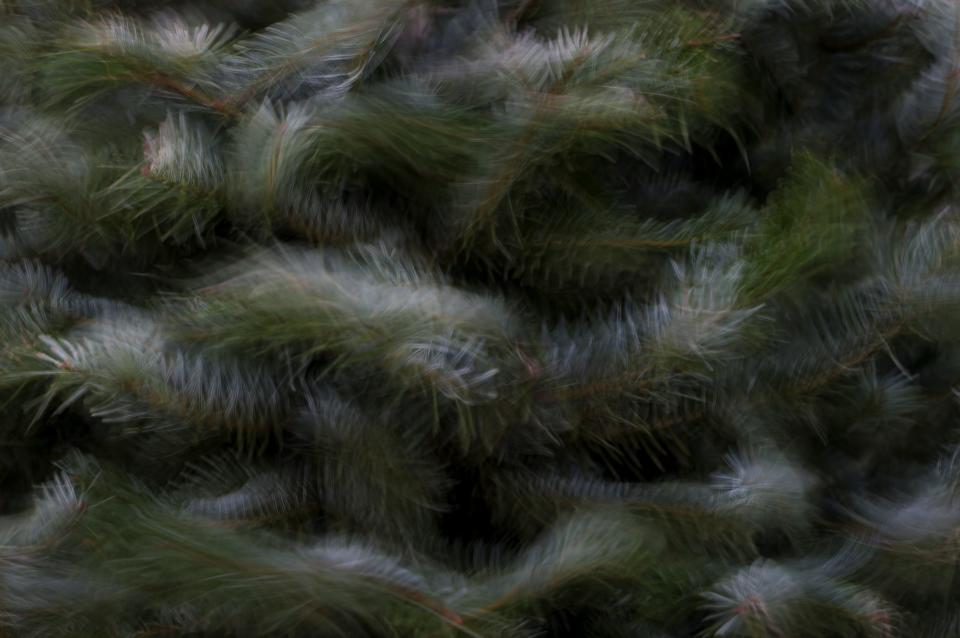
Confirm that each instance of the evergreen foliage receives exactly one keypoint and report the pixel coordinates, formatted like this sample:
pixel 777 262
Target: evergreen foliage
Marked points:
pixel 480 318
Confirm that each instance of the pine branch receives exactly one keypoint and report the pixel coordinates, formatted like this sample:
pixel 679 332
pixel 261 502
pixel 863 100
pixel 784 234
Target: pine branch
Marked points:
pixel 398 323
pixel 758 493
pixel 370 471
pixel 329 50
pixel 584 545
pixel 167 54
pixel 777 600
pixel 590 247
pixel 812 220
pixel 171 559
pixel 129 376
pixel 580 93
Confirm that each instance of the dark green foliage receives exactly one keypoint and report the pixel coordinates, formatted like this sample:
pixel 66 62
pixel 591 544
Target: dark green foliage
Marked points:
pixel 482 318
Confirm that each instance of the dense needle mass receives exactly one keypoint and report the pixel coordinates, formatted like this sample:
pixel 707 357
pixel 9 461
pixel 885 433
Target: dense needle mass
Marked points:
pixel 479 318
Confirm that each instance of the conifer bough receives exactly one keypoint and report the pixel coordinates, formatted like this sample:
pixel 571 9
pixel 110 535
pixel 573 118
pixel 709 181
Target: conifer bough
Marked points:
pixel 480 318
